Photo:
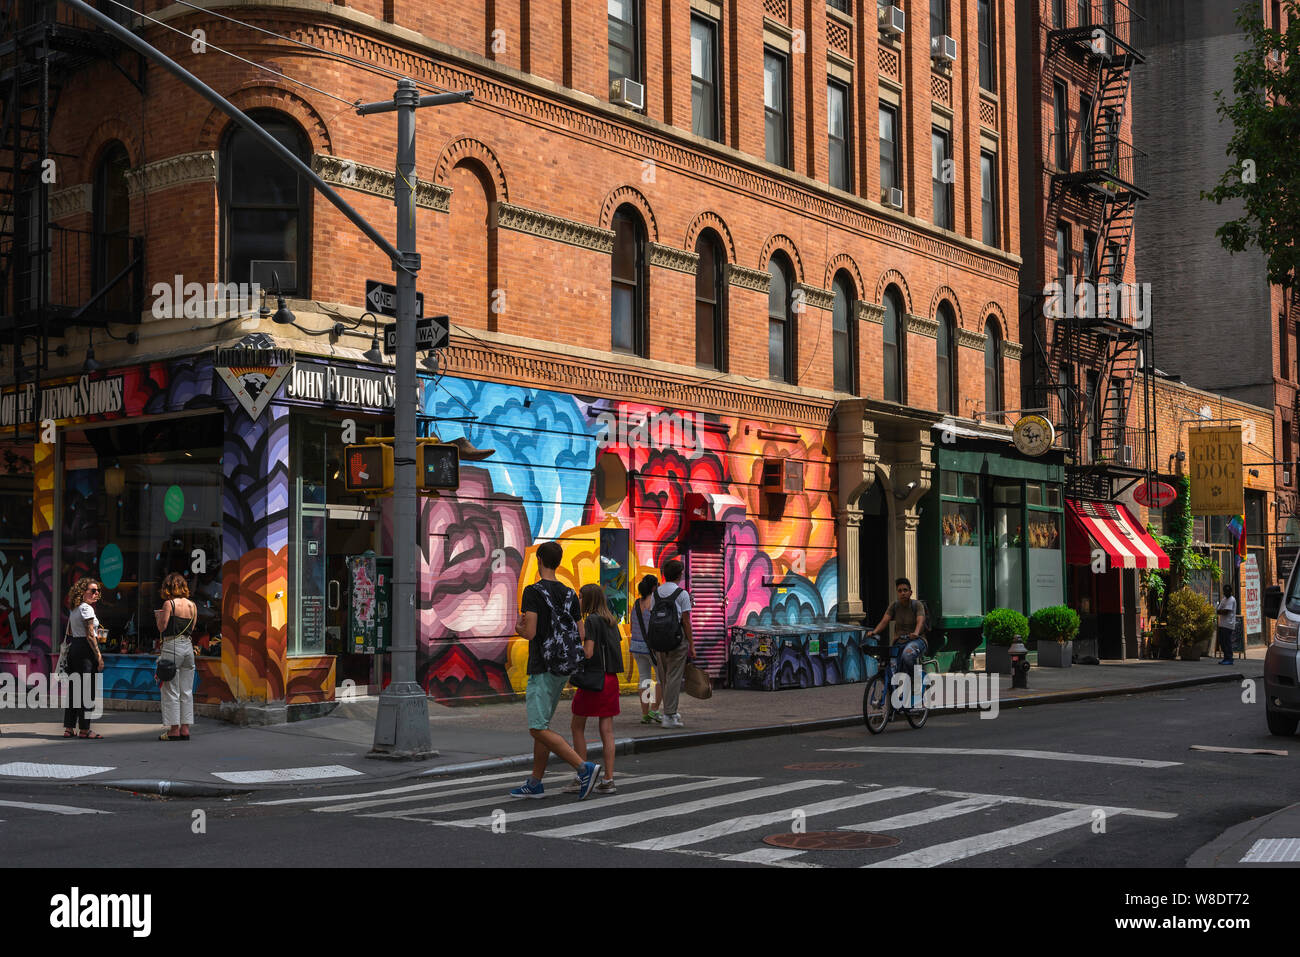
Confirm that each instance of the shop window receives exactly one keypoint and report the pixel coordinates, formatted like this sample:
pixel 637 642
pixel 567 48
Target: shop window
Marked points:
pixel 960 534
pixel 1008 546
pixel 139 502
pixel 614 546
pixel 1034 493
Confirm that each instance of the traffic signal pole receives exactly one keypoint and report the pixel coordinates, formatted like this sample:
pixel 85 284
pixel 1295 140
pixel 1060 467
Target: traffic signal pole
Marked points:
pixel 402 725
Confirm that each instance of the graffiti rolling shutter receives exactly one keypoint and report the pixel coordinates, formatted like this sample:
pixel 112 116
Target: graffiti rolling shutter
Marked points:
pixel 708 597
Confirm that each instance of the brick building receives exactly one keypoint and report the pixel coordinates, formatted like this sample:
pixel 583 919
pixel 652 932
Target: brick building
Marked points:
pixel 634 199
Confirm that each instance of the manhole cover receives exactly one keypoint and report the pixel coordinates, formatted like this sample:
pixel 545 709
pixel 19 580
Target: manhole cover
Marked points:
pixel 823 766
pixel 831 841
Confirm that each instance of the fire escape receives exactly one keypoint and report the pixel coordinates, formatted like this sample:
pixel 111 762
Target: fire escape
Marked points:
pixel 53 277
pixel 1089 367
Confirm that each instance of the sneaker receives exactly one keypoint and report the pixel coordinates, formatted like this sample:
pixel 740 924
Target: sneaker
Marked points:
pixel 574 788
pixel 649 718
pixel 657 717
pixel 588 777
pixel 529 790
pixel 673 721
pixel 606 787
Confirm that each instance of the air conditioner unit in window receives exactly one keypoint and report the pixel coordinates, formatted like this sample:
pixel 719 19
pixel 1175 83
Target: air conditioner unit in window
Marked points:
pixel 624 91
pixel 1125 456
pixel 892 197
pixel 1101 45
pixel 1286 476
pixel 265 272
pixel 892 20
pixel 782 476
pixel 943 49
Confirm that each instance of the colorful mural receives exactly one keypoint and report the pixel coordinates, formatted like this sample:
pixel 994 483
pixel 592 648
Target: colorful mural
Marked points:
pixel 547 480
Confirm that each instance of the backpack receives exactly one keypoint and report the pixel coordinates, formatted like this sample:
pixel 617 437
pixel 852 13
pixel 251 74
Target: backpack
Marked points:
pixel 562 651
pixel 665 632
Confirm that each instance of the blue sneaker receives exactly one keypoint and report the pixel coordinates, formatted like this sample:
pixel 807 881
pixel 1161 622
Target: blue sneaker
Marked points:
pixel 527 790
pixel 587 779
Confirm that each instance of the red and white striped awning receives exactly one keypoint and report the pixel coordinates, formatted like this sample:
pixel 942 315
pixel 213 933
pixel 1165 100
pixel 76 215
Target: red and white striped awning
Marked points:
pixel 1112 528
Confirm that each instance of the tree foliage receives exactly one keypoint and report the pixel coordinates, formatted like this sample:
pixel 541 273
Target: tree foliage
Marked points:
pixel 1265 114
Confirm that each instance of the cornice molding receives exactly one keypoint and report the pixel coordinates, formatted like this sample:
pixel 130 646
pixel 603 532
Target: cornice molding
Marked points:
pixel 815 297
pixel 1011 350
pixel 759 280
pixel 670 257
pixel 70 202
pixel 923 326
pixel 525 220
pixel 586 376
pixel 200 167
pixel 971 340
pixel 349 174
pixel 871 312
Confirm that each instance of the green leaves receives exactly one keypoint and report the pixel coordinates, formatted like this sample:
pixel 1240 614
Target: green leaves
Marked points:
pixel 1265 114
pixel 1002 626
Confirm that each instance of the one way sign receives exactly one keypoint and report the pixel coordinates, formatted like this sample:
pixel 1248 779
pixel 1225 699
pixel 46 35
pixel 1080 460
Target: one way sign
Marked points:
pixel 381 297
pixel 431 333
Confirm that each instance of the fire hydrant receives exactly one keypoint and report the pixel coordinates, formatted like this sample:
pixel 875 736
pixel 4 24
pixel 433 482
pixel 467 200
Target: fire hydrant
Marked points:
pixel 1019 664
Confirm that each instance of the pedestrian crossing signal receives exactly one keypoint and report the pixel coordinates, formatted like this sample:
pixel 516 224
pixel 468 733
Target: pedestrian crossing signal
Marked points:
pixel 439 466
pixel 368 469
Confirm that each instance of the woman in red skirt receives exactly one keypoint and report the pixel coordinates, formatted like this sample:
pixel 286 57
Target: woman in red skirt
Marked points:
pixel 601 630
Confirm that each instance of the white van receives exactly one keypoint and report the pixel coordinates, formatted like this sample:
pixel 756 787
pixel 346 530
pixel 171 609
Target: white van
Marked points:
pixel 1281 680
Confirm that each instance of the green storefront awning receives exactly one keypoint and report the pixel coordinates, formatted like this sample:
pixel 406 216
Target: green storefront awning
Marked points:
pixel 991 463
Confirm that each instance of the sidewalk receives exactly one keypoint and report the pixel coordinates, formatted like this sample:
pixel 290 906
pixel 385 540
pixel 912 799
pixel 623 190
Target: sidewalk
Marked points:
pixel 224 758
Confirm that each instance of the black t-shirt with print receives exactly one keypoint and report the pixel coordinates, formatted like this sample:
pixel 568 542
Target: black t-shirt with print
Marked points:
pixel 536 603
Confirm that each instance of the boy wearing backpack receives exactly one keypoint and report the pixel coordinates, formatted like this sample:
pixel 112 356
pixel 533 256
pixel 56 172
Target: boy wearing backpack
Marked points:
pixel 668 634
pixel 551 620
pixel 910 626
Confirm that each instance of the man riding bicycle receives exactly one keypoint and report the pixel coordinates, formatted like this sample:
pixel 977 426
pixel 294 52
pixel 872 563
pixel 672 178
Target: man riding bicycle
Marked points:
pixel 908 617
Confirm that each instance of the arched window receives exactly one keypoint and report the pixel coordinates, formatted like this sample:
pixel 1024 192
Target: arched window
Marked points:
pixel 266 208
pixel 945 375
pixel 845 342
pixel 895 364
pixel 628 295
pixel 112 225
pixel 992 369
pixel 710 304
pixel 780 324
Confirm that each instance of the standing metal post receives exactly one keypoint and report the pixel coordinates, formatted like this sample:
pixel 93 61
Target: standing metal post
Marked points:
pixel 402 728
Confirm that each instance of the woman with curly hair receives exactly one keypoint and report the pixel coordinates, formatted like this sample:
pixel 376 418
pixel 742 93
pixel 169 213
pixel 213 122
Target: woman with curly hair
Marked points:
pixel 176 624
pixel 84 657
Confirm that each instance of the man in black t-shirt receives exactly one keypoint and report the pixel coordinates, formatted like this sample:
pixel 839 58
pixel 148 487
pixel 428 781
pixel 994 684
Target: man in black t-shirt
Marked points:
pixel 543 601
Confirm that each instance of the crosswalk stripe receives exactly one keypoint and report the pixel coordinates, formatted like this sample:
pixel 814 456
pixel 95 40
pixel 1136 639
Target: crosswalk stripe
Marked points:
pixel 53 808
pixel 1015 753
pixel 449 782
pixel 927 815
pixel 495 798
pixel 765 855
pixel 424 796
pixel 992 841
pixel 1063 805
pixel 603 801
pixel 737 824
pixel 673 810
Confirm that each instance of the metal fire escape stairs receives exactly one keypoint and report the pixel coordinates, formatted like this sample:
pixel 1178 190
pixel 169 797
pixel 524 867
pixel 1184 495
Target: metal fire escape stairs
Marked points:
pixel 1102 180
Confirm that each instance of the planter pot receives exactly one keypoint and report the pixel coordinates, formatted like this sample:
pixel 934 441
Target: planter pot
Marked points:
pixel 1190 652
pixel 1055 654
pixel 997 659
pixel 1086 647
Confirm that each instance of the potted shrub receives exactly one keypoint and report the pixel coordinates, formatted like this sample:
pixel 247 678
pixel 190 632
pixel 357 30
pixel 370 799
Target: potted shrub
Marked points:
pixel 1054 628
pixel 1002 627
pixel 1189 623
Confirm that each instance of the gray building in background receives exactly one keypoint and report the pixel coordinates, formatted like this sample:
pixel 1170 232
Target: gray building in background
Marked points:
pixel 1213 317
pixel 1217 321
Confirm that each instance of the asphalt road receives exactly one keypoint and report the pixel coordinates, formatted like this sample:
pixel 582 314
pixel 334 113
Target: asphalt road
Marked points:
pixel 712 806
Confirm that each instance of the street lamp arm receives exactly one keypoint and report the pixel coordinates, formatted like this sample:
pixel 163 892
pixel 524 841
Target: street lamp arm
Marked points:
pixel 270 142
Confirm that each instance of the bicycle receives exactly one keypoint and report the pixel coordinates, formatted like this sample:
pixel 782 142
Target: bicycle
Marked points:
pixel 877 698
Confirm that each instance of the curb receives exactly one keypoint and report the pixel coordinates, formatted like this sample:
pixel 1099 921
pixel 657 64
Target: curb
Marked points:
pixel 1208 854
pixel 173 788
pixel 668 742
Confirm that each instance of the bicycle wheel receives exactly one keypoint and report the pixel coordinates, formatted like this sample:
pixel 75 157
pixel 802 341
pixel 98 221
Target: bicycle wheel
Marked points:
pixel 875 704
pixel 916 716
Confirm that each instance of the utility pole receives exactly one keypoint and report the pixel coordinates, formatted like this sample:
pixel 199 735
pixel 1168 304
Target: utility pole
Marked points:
pixel 402 725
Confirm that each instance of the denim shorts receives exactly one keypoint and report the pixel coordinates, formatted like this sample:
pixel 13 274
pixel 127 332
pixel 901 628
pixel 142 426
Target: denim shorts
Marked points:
pixel 542 697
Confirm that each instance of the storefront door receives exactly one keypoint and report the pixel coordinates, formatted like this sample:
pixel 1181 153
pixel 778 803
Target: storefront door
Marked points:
pixel 877 589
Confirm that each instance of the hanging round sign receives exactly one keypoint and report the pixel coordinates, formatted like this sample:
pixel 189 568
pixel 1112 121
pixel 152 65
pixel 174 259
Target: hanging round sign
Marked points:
pixel 1155 494
pixel 1033 434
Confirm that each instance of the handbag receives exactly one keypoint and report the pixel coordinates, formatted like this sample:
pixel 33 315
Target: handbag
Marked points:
pixel 591 677
pixel 165 668
pixel 696 683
